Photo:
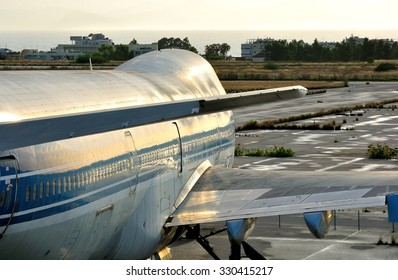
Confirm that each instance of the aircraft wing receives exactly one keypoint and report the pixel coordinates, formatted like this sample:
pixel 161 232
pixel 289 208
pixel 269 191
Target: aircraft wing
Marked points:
pixel 59 127
pixel 226 194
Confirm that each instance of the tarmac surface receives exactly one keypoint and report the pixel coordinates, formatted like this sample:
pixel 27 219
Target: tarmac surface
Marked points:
pixel 355 234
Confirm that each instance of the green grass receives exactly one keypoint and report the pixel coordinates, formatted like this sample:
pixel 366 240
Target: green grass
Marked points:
pixel 275 151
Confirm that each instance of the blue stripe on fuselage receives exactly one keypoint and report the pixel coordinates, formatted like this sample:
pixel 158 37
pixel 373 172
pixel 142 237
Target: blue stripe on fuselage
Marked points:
pixel 66 201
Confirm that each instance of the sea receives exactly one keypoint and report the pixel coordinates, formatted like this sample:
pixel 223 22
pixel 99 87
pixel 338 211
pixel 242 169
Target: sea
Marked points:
pixel 45 40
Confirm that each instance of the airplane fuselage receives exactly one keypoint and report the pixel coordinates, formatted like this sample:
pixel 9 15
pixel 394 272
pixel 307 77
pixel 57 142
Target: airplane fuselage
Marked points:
pixel 108 194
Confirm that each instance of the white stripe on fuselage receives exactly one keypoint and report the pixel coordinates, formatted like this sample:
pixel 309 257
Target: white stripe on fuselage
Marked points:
pixel 76 198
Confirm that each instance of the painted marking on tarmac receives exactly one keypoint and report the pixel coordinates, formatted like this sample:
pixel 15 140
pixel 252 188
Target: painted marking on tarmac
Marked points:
pixel 343 241
pixel 377 121
pixel 261 161
pixel 375 116
pixel 248 143
pixel 301 132
pixel 370 167
pixel 334 148
pixel 257 162
pixel 340 164
pixel 330 246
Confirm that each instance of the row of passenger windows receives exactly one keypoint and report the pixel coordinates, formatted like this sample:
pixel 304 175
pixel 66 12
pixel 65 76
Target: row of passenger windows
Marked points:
pixel 158 155
pixel 64 184
pixel 202 142
pixel 67 183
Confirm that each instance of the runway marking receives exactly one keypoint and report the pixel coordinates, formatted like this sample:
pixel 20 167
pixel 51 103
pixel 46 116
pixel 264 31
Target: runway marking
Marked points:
pixel 340 164
pixel 333 148
pixel 248 143
pixel 378 120
pixel 257 162
pixel 264 160
pixel 342 241
pixel 330 246
pixel 301 132
pixel 369 167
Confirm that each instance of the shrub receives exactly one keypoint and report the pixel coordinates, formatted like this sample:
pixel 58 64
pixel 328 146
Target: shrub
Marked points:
pixel 385 67
pixel 271 66
pixel 95 58
pixel 379 151
pixel 275 151
pixel 252 124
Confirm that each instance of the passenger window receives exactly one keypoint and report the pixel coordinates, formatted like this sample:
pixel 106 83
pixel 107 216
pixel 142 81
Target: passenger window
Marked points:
pixel 41 190
pixel 59 186
pixel 83 179
pixel 54 187
pixel 69 183
pixel 77 181
pixel 47 188
pixel 65 184
pixel 74 181
pixel 34 194
pixel 27 194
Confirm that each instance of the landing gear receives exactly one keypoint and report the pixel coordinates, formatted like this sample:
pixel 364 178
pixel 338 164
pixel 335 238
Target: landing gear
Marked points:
pixel 193 232
pixel 250 252
pixel 235 252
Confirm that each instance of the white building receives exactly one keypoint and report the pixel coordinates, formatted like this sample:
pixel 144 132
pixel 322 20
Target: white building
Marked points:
pixel 81 45
pixel 253 47
pixel 139 49
pixel 34 54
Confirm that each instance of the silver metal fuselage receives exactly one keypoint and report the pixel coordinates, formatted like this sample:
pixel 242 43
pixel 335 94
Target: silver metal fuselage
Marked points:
pixel 105 195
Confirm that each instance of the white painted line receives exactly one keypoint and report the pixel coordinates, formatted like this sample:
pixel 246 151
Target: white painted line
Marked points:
pixel 330 246
pixel 340 164
pixel 301 132
pixel 252 142
pixel 254 163
pixel 264 160
pixel 343 241
pixel 333 148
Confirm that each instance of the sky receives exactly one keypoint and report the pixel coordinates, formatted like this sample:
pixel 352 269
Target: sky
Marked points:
pixel 53 15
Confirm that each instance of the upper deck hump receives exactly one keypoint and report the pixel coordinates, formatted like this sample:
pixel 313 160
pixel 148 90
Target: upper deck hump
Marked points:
pixel 157 77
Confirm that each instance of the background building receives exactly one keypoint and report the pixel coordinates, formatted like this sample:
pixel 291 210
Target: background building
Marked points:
pixel 81 45
pixel 254 47
pixel 139 49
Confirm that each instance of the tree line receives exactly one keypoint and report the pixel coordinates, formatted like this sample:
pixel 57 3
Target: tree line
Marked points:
pixel 122 53
pixel 350 49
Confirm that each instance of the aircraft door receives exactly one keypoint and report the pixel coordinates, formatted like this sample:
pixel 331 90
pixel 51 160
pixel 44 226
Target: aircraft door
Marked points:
pixel 179 155
pixel 8 191
pixel 133 161
pixel 178 159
